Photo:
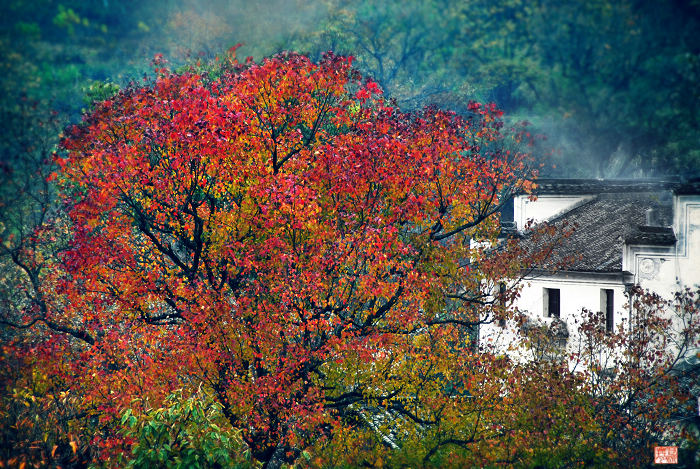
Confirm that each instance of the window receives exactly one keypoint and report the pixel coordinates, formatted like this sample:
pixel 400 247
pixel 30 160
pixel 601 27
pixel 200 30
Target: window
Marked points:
pixel 551 302
pixel 607 306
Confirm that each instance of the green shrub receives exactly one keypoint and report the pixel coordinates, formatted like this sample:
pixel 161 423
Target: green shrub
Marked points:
pixel 185 433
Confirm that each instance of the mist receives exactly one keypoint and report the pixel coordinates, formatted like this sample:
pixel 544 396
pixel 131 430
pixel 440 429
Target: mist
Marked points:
pixel 611 86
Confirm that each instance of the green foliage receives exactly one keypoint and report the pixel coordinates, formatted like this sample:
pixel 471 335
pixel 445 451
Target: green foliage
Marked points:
pixel 187 432
pixel 98 91
pixel 68 19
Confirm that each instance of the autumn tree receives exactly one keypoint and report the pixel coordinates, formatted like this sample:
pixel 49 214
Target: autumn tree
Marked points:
pixel 279 237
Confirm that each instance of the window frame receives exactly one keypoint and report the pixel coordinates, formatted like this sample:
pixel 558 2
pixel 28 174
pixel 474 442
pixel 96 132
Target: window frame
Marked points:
pixel 607 307
pixel 552 302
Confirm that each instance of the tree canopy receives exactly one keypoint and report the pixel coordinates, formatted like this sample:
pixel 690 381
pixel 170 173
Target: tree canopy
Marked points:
pixel 278 235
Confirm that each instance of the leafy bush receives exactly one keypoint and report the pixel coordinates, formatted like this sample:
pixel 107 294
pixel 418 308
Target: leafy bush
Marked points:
pixel 187 432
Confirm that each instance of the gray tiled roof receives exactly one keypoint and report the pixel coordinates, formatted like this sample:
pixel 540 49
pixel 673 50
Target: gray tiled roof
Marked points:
pixel 603 224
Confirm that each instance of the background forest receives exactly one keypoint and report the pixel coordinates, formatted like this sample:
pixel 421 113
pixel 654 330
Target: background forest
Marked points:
pixel 611 85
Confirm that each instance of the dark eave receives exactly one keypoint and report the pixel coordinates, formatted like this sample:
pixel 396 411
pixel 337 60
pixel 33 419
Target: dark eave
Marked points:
pixel 622 277
pixel 651 236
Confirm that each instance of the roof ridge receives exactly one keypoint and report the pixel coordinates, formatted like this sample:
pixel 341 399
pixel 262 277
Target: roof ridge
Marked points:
pixel 599 185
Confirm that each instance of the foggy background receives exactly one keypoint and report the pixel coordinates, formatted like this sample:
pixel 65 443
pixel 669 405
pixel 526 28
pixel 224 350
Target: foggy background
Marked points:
pixel 612 86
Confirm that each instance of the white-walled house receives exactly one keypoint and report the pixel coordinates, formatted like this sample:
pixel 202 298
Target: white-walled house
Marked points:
pixel 625 233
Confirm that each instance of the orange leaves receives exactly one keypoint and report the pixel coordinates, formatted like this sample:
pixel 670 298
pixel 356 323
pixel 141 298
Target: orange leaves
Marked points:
pixel 282 237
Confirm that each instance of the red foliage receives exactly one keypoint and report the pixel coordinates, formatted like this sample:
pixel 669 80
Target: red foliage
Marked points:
pixel 260 234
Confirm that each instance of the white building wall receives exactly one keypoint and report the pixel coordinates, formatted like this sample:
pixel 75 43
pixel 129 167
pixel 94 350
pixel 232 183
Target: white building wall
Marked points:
pixel 544 207
pixel 576 293
pixel 668 270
